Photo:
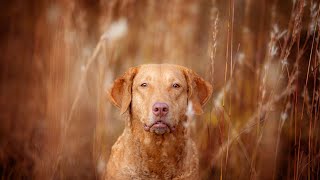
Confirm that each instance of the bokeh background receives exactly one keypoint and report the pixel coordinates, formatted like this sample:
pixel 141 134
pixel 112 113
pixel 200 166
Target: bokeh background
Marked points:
pixel 59 57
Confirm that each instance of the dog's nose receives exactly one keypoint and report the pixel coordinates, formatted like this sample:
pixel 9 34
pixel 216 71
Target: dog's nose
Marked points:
pixel 160 109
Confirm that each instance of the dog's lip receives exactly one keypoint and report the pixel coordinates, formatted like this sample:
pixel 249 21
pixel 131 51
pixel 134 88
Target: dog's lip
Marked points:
pixel 159 124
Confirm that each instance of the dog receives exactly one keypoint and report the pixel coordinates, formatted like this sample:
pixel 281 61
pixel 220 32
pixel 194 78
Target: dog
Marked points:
pixel 153 100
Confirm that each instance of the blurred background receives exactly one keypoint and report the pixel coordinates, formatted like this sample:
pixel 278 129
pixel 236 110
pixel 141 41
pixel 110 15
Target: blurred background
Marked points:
pixel 59 57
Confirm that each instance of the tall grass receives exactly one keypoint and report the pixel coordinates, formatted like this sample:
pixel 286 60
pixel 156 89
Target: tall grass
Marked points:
pixel 60 57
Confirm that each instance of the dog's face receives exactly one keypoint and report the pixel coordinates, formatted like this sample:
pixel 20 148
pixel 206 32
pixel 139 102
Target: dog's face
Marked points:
pixel 158 95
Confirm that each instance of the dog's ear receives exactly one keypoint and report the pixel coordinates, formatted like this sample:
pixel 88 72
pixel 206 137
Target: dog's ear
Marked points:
pixel 120 92
pixel 199 90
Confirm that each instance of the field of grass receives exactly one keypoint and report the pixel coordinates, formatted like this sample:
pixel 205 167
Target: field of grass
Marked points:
pixel 58 59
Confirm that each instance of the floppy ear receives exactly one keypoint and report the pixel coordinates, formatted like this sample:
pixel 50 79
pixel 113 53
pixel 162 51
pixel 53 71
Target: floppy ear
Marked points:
pixel 120 92
pixel 199 90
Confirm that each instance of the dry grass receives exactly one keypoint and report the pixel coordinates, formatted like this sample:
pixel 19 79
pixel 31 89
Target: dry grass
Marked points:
pixel 60 57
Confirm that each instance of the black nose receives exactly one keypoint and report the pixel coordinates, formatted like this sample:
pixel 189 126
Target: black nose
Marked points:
pixel 160 109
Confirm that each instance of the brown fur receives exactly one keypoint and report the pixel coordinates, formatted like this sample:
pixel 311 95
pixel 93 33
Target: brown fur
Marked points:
pixel 140 154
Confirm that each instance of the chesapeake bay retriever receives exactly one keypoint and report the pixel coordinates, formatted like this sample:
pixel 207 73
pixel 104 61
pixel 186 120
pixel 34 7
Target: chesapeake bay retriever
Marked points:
pixel 155 144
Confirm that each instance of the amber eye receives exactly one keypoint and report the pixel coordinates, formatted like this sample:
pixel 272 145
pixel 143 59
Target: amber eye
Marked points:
pixel 144 85
pixel 175 85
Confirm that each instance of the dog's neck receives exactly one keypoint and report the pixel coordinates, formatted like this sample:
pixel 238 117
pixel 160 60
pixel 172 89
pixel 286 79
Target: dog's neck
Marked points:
pixel 159 152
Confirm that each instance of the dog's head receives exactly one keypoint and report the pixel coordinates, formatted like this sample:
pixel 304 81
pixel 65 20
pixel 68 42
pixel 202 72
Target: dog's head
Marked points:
pixel 158 95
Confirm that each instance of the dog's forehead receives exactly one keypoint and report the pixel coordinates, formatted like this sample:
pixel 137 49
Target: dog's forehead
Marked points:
pixel 160 71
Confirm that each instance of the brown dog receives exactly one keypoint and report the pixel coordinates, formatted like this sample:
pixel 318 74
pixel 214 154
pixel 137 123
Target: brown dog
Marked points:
pixel 155 143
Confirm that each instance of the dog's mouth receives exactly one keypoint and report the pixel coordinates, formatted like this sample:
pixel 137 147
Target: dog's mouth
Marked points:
pixel 159 127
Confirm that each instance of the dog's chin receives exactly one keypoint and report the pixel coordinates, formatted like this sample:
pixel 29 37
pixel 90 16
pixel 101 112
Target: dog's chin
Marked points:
pixel 159 128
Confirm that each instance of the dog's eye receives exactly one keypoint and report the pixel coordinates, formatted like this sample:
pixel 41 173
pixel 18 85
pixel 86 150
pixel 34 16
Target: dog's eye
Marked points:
pixel 175 85
pixel 144 85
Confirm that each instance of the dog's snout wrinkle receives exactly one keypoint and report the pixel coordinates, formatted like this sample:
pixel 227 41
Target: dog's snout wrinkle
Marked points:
pixel 160 109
